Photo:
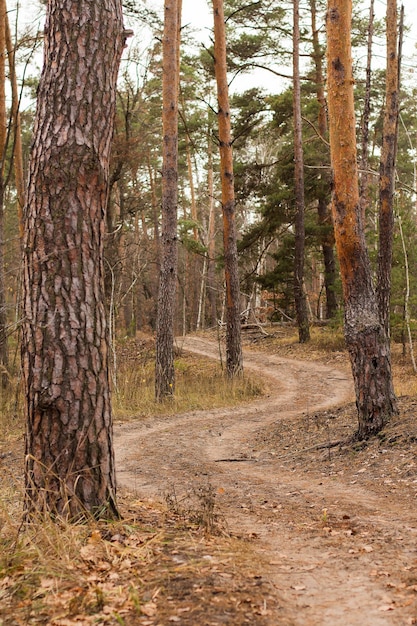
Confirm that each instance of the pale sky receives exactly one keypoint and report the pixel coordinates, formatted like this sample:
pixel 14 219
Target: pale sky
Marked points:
pixel 198 15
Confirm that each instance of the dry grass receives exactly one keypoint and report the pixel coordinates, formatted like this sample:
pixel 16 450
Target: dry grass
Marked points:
pixel 159 564
pixel 200 384
pixel 153 564
pixel 153 561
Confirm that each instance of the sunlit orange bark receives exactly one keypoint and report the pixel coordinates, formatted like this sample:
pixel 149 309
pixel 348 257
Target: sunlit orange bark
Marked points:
pixel 366 339
pixel 234 358
pixel 323 209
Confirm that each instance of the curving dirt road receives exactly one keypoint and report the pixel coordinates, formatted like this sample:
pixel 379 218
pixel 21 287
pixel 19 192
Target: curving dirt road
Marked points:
pixel 348 573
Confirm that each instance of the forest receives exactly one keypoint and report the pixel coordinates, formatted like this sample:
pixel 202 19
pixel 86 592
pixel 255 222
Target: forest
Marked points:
pixel 208 313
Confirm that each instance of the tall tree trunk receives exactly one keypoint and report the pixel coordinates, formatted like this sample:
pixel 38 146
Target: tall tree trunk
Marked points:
pixel 155 215
pixel 69 454
pixel 193 260
pixel 366 339
pixel 323 210
pixel 164 368
pixel 387 169
pixel 363 190
pixel 234 358
pixel 299 294
pixel 211 246
pixel 17 132
pixel 3 147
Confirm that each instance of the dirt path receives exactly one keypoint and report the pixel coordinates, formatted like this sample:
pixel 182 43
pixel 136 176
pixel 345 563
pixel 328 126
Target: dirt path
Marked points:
pixel 338 554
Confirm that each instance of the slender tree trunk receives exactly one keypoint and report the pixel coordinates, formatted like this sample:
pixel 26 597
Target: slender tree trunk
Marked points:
pixel 363 190
pixel 155 216
pixel 193 260
pixel 164 369
pixel 211 246
pixel 387 169
pixel 299 294
pixel 3 134
pixel 17 132
pixel 323 210
pixel 69 454
pixel 192 189
pixel 366 339
pixel 234 358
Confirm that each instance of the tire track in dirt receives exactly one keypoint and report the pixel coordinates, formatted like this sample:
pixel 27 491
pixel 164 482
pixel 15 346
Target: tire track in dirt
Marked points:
pixel 324 577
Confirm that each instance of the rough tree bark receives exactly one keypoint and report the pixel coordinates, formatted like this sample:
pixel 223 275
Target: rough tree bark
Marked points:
pixel 69 454
pixel 323 210
pixel 234 358
pixel 299 294
pixel 3 148
pixel 366 339
pixel 164 365
pixel 387 169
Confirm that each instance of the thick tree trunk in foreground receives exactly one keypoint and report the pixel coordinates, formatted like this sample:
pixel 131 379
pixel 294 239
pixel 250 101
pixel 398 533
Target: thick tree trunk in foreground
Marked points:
pixel 387 169
pixel 69 453
pixel 164 366
pixel 366 339
pixel 299 295
pixel 234 358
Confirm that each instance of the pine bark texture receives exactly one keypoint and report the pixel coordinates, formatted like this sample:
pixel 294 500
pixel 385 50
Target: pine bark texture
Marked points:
pixel 234 358
pixel 299 294
pixel 323 209
pixel 387 169
pixel 366 339
pixel 69 455
pixel 164 367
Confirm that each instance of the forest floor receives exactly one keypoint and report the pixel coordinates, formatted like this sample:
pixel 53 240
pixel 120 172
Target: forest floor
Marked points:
pixel 332 523
pixel 267 513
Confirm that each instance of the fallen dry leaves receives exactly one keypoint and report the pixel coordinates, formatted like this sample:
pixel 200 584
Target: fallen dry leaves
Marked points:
pixel 149 569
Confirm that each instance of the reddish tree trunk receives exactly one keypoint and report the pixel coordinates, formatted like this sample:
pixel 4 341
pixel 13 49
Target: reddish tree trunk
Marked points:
pixel 323 210
pixel 69 454
pixel 234 359
pixel 3 148
pixel 366 339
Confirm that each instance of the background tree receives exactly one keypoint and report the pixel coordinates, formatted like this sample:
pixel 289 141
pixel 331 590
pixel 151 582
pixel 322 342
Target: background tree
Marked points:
pixel 164 368
pixel 234 358
pixel 387 168
pixel 326 233
pixel 299 294
pixel 69 455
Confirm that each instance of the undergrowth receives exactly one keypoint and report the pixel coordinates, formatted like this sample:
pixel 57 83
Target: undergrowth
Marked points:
pixel 200 384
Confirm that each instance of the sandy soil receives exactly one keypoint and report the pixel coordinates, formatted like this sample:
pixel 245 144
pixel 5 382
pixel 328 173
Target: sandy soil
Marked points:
pixel 336 541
